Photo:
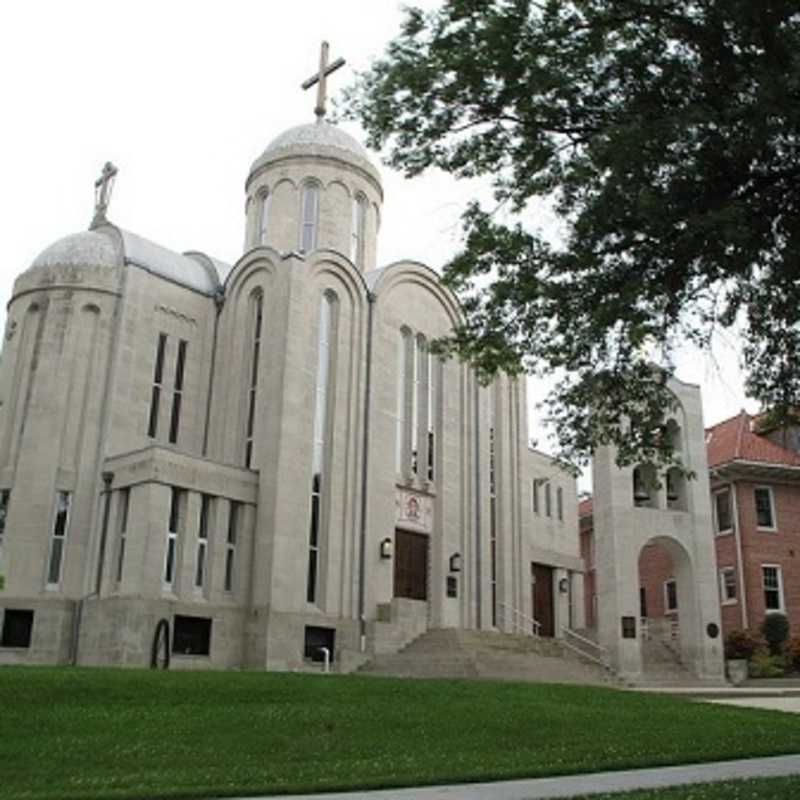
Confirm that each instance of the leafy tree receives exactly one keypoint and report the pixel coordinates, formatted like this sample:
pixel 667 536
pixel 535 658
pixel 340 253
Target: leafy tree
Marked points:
pixel 665 134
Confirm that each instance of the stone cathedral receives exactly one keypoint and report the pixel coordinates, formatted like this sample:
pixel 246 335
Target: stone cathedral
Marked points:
pixel 259 465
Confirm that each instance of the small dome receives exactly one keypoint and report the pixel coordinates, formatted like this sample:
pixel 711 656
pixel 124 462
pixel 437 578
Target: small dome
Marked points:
pixel 316 138
pixel 110 247
pixel 86 249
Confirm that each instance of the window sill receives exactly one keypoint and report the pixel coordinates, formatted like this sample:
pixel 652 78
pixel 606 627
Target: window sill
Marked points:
pixel 726 532
pixel 14 648
pixel 729 602
pixel 765 529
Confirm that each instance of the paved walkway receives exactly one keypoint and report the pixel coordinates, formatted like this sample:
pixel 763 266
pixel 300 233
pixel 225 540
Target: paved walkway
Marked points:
pixel 791 704
pixel 572 785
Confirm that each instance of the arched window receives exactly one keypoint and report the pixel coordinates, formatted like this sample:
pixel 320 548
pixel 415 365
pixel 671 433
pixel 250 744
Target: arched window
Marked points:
pixel 308 234
pixel 673 435
pixel 263 216
pixel 321 403
pixel 645 484
pixel 357 228
pixel 256 326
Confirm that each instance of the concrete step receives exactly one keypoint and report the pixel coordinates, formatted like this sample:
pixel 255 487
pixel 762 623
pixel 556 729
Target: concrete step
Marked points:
pixel 451 653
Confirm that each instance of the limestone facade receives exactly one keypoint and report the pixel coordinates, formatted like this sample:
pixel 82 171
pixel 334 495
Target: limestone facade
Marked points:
pixel 265 455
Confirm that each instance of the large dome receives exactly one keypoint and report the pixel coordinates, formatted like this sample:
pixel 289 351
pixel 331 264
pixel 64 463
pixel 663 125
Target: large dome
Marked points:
pixel 316 139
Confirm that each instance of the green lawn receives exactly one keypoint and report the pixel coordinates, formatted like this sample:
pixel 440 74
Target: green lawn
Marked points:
pixel 92 733
pixel 755 789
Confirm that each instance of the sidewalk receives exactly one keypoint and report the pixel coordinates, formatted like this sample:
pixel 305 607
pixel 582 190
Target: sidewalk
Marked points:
pixel 571 785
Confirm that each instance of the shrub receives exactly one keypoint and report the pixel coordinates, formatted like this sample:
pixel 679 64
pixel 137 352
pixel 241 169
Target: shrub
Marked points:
pixel 791 649
pixel 743 644
pixel 775 628
pixel 763 665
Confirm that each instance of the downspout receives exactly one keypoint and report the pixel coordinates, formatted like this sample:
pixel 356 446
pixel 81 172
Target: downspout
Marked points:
pixel 108 478
pixel 362 566
pixel 77 617
pixel 738 537
pixel 219 300
pixel 477 423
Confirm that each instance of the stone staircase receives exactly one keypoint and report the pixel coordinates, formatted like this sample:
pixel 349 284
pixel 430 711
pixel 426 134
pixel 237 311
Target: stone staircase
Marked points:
pixel 455 653
pixel 662 668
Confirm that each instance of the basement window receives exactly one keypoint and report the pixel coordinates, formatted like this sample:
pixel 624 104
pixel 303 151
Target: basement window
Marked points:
pixel 17 628
pixel 315 639
pixel 192 636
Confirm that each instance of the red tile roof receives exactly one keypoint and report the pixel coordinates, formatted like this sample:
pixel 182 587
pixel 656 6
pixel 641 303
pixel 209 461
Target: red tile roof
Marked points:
pixel 733 440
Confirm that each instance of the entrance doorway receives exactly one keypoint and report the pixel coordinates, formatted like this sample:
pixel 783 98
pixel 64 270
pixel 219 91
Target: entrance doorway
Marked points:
pixel 411 565
pixel 542 591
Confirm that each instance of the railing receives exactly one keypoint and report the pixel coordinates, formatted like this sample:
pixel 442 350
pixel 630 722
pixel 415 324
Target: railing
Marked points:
pixel 586 648
pixel 518 621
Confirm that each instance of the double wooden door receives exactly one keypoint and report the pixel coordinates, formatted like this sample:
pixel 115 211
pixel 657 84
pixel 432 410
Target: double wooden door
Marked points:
pixel 411 565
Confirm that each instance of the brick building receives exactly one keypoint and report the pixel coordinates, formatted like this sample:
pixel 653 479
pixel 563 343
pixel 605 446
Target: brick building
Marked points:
pixel 755 484
pixel 754 474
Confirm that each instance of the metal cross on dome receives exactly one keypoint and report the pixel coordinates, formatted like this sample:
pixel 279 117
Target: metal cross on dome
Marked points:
pixel 320 79
pixel 102 193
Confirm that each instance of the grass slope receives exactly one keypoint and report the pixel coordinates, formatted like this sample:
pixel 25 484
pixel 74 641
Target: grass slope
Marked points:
pixel 98 733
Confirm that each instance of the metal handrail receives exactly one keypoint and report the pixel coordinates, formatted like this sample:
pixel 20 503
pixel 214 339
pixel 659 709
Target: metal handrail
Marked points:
pixel 532 627
pixel 602 657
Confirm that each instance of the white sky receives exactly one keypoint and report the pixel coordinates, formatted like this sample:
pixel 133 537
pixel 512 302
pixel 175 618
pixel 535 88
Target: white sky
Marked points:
pixel 182 97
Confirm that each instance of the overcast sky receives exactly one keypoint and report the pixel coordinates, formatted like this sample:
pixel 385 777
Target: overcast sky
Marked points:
pixel 182 97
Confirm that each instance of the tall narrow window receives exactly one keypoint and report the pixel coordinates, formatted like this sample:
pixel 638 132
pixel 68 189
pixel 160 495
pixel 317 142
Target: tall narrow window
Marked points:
pixel 177 394
pixel 263 216
pixel 772 582
pixel 255 356
pixel 535 495
pixel 122 523
pixel 320 437
pixel 722 511
pixel 308 236
pixel 202 541
pixel 357 227
pixel 765 514
pixel 560 504
pixel 417 361
pixel 548 500
pixel 492 509
pixel 5 494
pixel 60 525
pixel 230 545
pixel 670 595
pixel 431 390
pixel 155 399
pixel 727 585
pixel 170 555
pixel 403 353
